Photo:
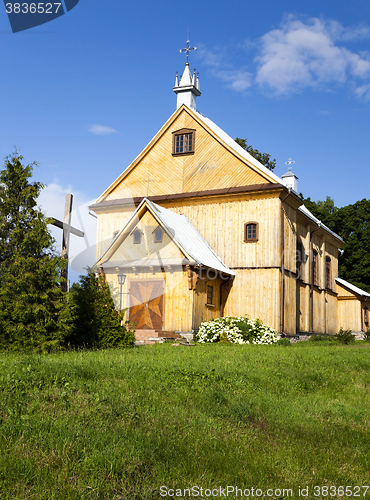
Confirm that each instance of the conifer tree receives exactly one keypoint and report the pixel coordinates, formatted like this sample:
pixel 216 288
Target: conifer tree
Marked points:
pixel 30 294
pixel 90 318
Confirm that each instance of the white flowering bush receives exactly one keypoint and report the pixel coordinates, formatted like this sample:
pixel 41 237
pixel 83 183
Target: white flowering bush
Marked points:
pixel 236 330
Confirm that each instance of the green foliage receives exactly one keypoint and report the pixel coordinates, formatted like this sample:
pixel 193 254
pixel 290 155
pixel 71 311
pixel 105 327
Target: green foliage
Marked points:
pixel 345 337
pixel 90 318
pixel 367 335
pixel 30 294
pixel 119 424
pixel 321 338
pixel 236 330
pixel 284 342
pixel 263 158
pixel 352 223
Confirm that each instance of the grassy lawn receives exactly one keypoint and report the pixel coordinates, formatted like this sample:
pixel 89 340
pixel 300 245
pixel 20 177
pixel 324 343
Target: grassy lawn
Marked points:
pixel 119 424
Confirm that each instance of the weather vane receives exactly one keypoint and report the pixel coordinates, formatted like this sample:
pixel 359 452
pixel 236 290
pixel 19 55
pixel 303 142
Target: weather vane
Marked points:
pixel 290 162
pixel 187 50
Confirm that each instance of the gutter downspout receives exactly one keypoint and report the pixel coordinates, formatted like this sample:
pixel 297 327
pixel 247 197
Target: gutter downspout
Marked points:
pixel 282 288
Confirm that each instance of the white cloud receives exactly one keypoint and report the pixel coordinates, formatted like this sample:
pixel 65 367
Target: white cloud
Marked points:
pixel 363 91
pixel 238 79
pixel 307 54
pixel 102 130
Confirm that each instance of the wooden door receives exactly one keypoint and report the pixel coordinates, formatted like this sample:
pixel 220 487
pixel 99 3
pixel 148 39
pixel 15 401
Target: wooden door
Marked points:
pixel 146 304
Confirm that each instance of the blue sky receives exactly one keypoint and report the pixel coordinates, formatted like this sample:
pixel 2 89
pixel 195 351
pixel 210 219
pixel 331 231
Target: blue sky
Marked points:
pixel 83 94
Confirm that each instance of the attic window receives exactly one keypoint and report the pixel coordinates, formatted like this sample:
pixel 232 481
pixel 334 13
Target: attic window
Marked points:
pixel 137 236
pixel 158 235
pixel 251 232
pixel 183 142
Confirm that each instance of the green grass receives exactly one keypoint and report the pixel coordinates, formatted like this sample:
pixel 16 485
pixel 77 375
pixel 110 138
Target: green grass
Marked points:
pixel 118 424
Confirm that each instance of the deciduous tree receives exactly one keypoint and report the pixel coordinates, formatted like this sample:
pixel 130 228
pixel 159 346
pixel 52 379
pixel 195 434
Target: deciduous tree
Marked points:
pixel 263 158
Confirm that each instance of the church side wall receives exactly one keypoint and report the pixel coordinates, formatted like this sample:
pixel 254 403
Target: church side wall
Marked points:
pixel 221 223
pixel 255 292
pixel 349 314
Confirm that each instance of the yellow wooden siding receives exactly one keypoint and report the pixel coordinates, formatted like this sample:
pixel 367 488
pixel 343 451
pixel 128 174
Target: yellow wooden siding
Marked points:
pixel 202 311
pixel 332 326
pixel 178 299
pixel 212 166
pixel 147 248
pixel 290 238
pixel 255 292
pixel 107 225
pixel 290 305
pixel 222 225
pixel 303 307
pixel 349 315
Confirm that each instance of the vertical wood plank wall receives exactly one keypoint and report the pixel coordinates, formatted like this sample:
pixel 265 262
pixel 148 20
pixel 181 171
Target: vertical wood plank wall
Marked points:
pixel 256 288
pixel 178 299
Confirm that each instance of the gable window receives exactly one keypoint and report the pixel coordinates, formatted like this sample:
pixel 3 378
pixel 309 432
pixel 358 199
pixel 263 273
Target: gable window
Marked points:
pixel 158 235
pixel 328 272
pixel 137 236
pixel 315 273
pixel 299 260
pixel 209 295
pixel 251 231
pixel 183 142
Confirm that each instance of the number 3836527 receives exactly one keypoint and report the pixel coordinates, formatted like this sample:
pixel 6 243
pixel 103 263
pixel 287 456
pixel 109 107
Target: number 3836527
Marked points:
pixel 32 8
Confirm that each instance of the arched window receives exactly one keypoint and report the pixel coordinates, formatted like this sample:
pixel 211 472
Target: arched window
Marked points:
pixel 250 231
pixel 299 260
pixel 328 272
pixel 315 271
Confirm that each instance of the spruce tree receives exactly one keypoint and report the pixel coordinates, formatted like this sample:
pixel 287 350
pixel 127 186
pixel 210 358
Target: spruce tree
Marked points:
pixel 30 293
pixel 90 318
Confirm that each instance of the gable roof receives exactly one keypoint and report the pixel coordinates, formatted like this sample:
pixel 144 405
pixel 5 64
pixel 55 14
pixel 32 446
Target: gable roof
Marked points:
pixel 216 132
pixel 352 288
pixel 181 231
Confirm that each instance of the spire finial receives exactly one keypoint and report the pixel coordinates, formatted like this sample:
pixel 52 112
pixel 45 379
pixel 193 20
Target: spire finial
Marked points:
pixel 187 50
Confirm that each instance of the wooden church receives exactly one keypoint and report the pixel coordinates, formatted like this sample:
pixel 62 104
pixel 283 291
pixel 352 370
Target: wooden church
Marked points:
pixel 196 228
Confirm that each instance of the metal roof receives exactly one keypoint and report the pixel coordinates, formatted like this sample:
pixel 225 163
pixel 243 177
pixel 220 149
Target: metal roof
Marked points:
pixel 309 214
pixel 354 288
pixel 185 234
pixel 182 231
pixel 234 145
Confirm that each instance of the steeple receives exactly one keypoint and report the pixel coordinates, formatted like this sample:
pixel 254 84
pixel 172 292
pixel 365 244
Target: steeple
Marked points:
pixel 187 90
pixel 290 179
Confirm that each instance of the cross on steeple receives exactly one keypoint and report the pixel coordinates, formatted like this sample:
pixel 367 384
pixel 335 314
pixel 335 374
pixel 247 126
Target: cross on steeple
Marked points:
pixel 187 50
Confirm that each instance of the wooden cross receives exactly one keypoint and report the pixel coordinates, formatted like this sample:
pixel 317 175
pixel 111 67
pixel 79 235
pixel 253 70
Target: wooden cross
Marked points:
pixel 67 230
pixel 148 181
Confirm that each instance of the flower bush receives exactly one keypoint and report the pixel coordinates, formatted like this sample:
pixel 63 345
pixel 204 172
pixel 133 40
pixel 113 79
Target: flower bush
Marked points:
pixel 236 330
